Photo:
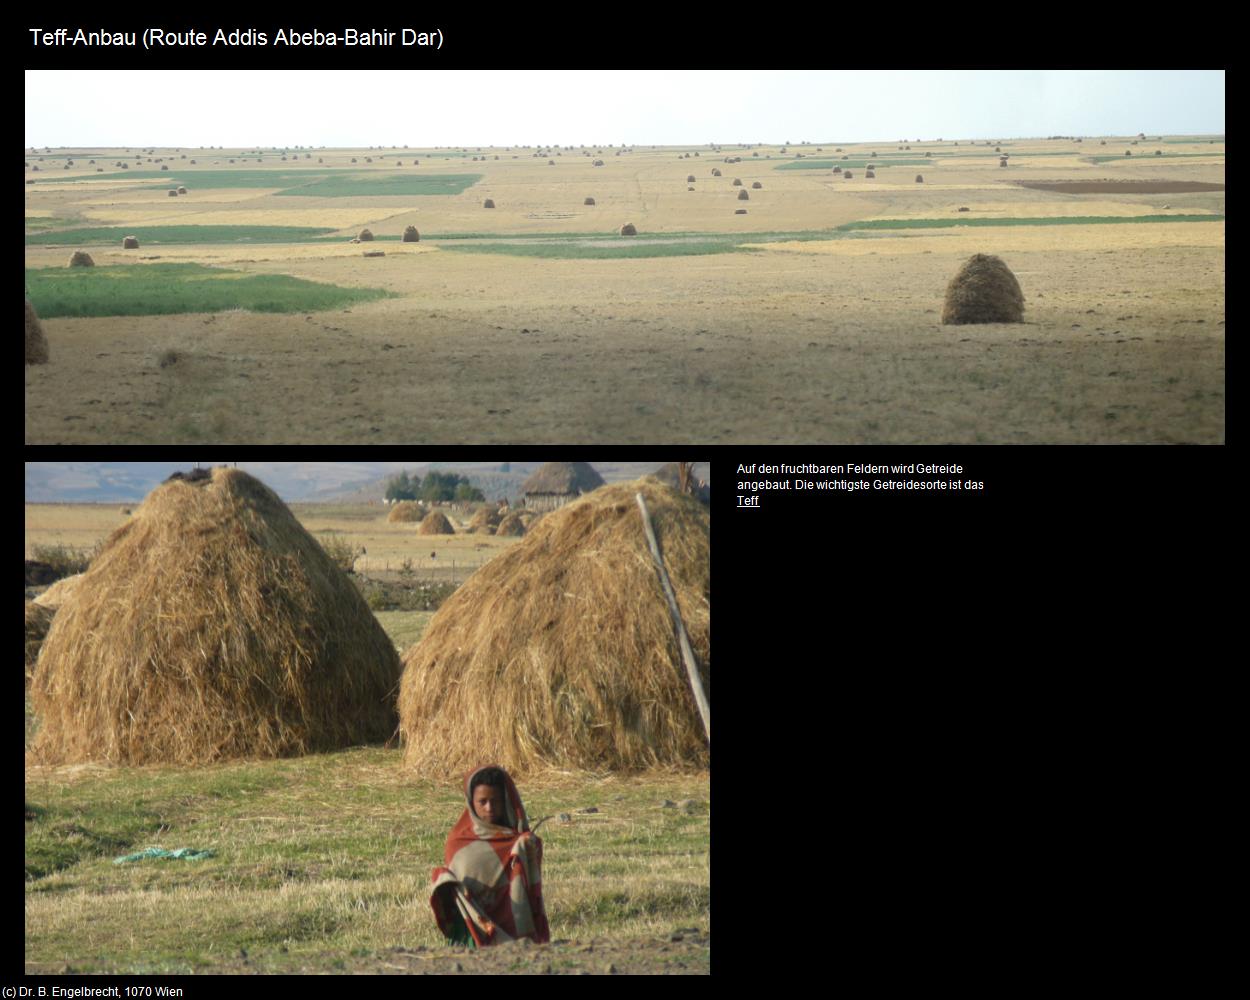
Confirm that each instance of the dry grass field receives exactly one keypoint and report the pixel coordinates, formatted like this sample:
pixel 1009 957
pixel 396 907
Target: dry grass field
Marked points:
pixel 801 332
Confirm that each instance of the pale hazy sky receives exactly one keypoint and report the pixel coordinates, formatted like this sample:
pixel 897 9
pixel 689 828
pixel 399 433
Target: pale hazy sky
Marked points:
pixel 195 108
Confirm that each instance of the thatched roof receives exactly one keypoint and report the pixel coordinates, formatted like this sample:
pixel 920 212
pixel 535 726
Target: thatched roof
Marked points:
pixel 561 652
pixel 563 478
pixel 983 291
pixel 212 626
pixel 436 523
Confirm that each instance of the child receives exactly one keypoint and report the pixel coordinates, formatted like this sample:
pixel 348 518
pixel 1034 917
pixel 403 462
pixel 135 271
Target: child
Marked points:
pixel 490 888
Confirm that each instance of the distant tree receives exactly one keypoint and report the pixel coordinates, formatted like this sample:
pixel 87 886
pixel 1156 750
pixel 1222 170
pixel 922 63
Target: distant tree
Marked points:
pixel 402 488
pixel 466 491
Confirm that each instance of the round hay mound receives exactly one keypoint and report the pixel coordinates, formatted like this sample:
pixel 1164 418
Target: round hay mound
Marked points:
pixel 436 523
pixel 689 178
pixel 80 258
pixel 512 525
pixel 983 291
pixel 629 229
pixel 756 186
pixel 847 175
pixel 869 174
pixel 837 170
pixel 411 235
pixel 715 173
pixel 182 190
pixel 36 342
pixel 589 201
pixel 211 626
pixel 737 182
pixel 561 651
pixel 38 621
pixel 919 178
pixel 130 243
pixel 743 196
pixel 407 511
pixel 365 236
pixel 485 521
pixel 488 203
pixel 60 592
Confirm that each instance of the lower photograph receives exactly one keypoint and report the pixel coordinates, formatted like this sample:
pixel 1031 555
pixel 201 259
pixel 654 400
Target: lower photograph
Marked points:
pixel 367 717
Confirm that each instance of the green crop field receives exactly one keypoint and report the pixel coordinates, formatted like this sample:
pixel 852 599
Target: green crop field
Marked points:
pixel 1149 155
pixel 354 186
pixel 1081 220
pixel 165 289
pixel 315 182
pixel 98 235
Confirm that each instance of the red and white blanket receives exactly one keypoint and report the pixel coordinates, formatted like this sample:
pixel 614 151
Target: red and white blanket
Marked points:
pixel 492 875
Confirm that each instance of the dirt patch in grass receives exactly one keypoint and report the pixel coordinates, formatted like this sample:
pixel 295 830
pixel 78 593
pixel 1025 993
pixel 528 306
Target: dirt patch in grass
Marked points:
pixel 1120 187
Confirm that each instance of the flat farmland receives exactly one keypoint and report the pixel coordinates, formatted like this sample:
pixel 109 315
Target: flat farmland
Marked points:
pixel 813 317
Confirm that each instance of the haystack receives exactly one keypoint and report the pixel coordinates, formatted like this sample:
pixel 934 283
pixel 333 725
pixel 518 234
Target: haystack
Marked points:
pixel 130 243
pixel 737 182
pixel 411 235
pixel 847 175
pixel 485 521
pixel 715 172
pixel 406 511
pixel 740 211
pixel 81 258
pixel 36 342
pixel 60 592
pixel 512 525
pixel 984 291
pixel 38 621
pixel 919 178
pixel 173 192
pixel 589 201
pixel 743 196
pixel 756 186
pixel 488 203
pixel 869 174
pixel 690 178
pixel 436 523
pixel 629 230
pixel 182 190
pixel 561 652
pixel 212 626
pixel 365 236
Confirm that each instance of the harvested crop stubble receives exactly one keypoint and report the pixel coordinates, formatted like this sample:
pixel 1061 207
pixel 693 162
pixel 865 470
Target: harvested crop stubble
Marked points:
pixel 561 652
pixel 36 342
pixel 406 510
pixel 212 626
pixel 81 258
pixel 983 291
pixel 436 523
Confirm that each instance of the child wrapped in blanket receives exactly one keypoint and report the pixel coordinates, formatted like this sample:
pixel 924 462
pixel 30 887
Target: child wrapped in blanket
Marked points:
pixel 490 888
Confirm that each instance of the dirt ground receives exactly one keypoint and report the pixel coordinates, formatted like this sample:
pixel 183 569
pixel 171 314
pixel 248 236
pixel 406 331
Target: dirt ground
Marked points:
pixel 829 342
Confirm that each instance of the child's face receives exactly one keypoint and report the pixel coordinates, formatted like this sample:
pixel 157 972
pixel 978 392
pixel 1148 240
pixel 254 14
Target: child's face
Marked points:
pixel 488 804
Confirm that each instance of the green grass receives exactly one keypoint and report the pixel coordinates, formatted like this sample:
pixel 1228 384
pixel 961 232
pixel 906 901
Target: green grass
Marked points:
pixel 1082 220
pixel 324 858
pixel 164 289
pixel 98 235
pixel 414 184
pixel 315 182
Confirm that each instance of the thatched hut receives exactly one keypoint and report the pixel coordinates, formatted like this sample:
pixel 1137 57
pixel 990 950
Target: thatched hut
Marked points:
pixel 130 243
pixel 983 291
pixel 556 483
pixel 561 652
pixel 737 182
pixel 436 523
pixel 212 626
pixel 36 342
pixel 365 236
pixel 80 258
pixel 512 525
pixel 629 229
pixel 411 235
pixel 406 511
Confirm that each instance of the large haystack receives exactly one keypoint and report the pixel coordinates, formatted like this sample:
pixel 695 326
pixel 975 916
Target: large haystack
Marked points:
pixel 36 342
pixel 212 626
pixel 406 510
pixel 561 652
pixel 983 291
pixel 513 525
pixel 80 258
pixel 436 523
pixel 485 521
pixel 38 621
pixel 59 592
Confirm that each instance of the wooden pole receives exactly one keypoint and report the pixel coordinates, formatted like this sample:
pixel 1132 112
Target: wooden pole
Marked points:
pixel 687 654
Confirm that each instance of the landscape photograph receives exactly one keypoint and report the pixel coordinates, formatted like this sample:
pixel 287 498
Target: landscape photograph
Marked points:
pixel 259 694
pixel 626 258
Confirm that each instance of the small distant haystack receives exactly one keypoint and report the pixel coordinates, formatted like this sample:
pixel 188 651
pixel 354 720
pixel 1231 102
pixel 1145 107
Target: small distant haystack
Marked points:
pixel 964 208
pixel 689 178
pixel 757 186
pixel 561 652
pixel 847 175
pixel 36 342
pixel 365 236
pixel 512 525
pixel 919 178
pixel 743 196
pixel 597 163
pixel 411 235
pixel 130 243
pixel 375 253
pixel 589 201
pixel 715 172
pixel 436 523
pixel 59 592
pixel 740 211
pixel 737 182
pixel 1003 162
pixel 182 190
pixel 173 192
pixel 557 483
pixel 629 229
pixel 869 174
pixel 38 621
pixel 211 626
pixel 488 203
pixel 80 258
pixel 407 511
pixel 983 291
pixel 165 166
pixel 837 170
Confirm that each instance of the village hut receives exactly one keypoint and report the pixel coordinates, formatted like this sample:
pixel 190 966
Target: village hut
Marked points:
pixel 436 523
pixel 36 342
pixel 212 626
pixel 130 243
pixel 512 524
pixel 629 229
pixel 983 291
pixel 556 483
pixel 562 652
pixel 411 235
pixel 173 192
pixel 80 258
pixel 406 511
